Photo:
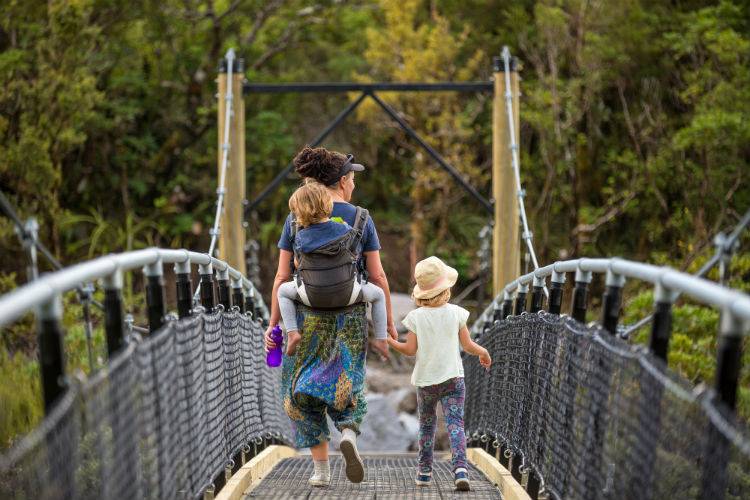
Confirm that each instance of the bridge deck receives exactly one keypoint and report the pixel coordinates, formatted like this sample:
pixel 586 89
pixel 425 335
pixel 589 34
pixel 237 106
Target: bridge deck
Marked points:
pixel 388 477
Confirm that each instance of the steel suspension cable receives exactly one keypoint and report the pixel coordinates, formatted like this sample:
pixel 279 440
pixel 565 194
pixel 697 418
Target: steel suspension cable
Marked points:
pixel 221 190
pixel 520 193
pixel 215 231
pixel 26 236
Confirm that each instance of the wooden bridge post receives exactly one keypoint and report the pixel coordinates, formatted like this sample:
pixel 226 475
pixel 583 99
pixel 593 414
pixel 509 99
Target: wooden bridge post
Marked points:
pixel 232 236
pixel 506 246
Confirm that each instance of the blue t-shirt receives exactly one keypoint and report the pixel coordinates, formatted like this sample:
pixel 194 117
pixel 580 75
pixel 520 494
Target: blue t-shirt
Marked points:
pixel 329 231
pixel 317 235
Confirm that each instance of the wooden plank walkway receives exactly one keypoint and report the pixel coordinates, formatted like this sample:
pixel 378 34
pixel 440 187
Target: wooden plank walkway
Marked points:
pixel 387 477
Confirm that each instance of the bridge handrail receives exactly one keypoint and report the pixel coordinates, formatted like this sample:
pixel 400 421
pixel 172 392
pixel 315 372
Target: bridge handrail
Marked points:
pixel 705 291
pixel 45 288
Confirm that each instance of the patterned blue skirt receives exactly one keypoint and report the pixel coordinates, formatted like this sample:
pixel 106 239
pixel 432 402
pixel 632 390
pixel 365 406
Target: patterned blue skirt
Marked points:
pixel 327 373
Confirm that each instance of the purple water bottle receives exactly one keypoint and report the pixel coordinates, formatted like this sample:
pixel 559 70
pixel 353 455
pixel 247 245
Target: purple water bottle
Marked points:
pixel 273 358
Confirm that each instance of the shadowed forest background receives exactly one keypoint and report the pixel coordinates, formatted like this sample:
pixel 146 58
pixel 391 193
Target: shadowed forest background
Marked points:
pixel 635 138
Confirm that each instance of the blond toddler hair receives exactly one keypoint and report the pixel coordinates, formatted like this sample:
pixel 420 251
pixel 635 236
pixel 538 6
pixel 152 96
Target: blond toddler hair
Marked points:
pixel 436 301
pixel 311 203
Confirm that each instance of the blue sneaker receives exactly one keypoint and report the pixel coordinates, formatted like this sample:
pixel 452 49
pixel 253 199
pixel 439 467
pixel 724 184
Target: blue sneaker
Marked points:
pixel 423 479
pixel 462 481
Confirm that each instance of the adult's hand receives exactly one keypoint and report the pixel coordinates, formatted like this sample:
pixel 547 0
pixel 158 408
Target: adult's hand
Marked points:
pixel 392 331
pixel 382 347
pixel 270 344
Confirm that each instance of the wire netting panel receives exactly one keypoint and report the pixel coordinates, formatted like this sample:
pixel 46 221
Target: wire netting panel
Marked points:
pixel 159 439
pixel 193 414
pixel 275 422
pixel 235 431
pixel 251 350
pixel 163 418
pixel 45 462
pixel 112 463
pixel 597 418
pixel 216 450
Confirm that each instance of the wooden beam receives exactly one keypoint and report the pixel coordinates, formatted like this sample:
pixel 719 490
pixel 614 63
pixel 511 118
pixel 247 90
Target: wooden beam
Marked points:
pixel 506 262
pixel 232 237
pixel 503 479
pixel 254 471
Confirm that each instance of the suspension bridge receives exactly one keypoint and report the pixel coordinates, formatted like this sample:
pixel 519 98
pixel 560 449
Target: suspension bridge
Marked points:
pixel 186 408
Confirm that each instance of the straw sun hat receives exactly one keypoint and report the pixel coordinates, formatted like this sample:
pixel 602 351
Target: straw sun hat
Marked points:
pixel 433 277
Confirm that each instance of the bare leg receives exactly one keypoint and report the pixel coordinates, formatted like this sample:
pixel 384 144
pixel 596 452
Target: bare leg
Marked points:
pixel 320 451
pixel 287 294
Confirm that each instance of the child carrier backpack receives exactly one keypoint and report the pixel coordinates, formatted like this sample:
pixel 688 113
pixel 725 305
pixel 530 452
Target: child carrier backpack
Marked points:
pixel 329 277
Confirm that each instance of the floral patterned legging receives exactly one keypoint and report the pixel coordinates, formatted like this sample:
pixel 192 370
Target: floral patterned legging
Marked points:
pixel 451 394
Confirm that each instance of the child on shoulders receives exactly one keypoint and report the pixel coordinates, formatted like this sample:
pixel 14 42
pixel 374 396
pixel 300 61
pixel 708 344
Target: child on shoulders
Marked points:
pixel 312 205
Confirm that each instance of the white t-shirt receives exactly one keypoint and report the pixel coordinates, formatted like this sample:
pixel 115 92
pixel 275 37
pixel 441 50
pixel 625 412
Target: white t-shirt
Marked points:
pixel 438 353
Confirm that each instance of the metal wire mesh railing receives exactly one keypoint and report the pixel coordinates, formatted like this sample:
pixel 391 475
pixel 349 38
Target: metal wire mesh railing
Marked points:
pixel 593 417
pixel 162 420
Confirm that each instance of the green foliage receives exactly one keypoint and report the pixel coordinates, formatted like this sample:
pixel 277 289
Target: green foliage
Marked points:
pixel 20 397
pixel 20 393
pixel 413 45
pixel 14 337
pixel 75 344
pixel 692 344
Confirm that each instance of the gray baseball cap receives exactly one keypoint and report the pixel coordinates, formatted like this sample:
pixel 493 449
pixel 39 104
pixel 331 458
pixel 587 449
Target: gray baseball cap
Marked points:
pixel 348 166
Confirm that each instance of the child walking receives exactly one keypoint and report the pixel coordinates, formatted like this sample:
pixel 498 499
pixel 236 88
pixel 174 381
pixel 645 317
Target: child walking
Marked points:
pixel 435 330
pixel 312 205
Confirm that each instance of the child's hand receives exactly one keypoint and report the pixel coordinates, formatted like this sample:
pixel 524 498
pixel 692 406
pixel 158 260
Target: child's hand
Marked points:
pixel 485 359
pixel 392 333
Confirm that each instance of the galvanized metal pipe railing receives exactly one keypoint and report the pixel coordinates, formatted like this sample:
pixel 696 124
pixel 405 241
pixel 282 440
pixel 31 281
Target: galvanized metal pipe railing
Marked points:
pixel 707 292
pixel 44 295
pixel 46 288
pixel 734 307
pixel 527 235
pixel 726 246
pixel 734 324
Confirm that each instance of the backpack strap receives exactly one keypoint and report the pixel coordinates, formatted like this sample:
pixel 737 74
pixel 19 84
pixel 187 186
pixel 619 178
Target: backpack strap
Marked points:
pixel 360 222
pixel 293 230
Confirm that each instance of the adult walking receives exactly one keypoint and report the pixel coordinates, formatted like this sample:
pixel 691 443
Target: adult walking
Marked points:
pixel 326 373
